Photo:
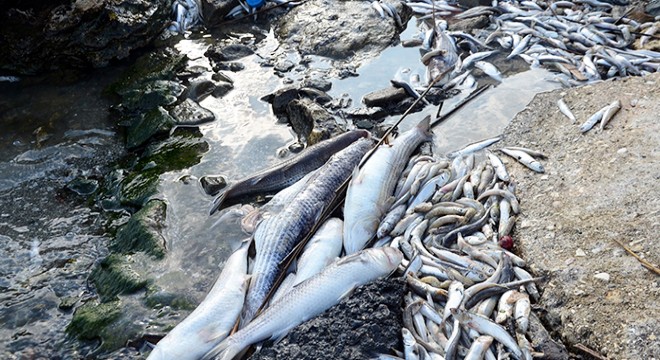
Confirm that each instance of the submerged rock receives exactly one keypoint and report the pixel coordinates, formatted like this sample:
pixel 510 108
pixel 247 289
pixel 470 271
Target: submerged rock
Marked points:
pixel 305 115
pixel 155 122
pixel 223 52
pixel 367 323
pixel 45 35
pixel 144 231
pixel 117 275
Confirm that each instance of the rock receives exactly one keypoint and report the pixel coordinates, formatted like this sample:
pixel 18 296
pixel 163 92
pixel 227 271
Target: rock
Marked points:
pixel 229 66
pixel 116 275
pixel 222 88
pixel 200 88
pixel 155 66
pixel 46 35
pixel 143 231
pixel 284 65
pixel 155 122
pixel 318 96
pixel 602 276
pixel 215 11
pixel 339 30
pixel 304 114
pixel 90 319
pixel 82 186
pixel 190 113
pixel 364 124
pixel 543 343
pixel 281 98
pixel 385 97
pixel 212 184
pixel 221 52
pixel 373 113
pixel 151 94
pixel 367 323
pixel 317 83
pixel 580 253
pixel 467 25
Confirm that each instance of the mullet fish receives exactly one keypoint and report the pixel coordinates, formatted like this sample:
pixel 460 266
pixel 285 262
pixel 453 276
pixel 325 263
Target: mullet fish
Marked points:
pixel 276 236
pixel 369 194
pixel 310 298
pixel 289 171
pixel 213 319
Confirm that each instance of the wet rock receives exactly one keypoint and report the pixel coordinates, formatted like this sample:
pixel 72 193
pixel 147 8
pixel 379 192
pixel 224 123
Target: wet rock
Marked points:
pixel 467 25
pixel 200 88
pixel 222 88
pixel 82 186
pixel 334 29
pixel 155 66
pixel 220 76
pixel 318 96
pixel 155 122
pixel 215 10
pixel 152 94
pixel 543 343
pixel 284 65
pixel 281 98
pixel 90 320
pixel 373 113
pixel 212 184
pixel 222 52
pixel 157 298
pixel 304 114
pixel 364 124
pixel 190 113
pixel 143 231
pixel 317 83
pixel 367 323
pixel 45 35
pixel 180 151
pixel 384 97
pixel 229 66
pixel 117 275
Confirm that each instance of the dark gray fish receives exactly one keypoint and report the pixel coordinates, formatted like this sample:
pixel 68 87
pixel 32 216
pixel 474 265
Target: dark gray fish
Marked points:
pixel 287 172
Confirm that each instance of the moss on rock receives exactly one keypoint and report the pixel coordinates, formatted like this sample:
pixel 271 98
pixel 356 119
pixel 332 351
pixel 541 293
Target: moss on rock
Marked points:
pixel 117 275
pixel 154 122
pixel 143 231
pixel 91 319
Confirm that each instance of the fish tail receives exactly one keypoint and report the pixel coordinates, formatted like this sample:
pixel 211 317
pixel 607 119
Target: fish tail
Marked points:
pixel 225 350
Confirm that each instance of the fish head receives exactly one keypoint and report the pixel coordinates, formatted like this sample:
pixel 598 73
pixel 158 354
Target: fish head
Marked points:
pixel 387 258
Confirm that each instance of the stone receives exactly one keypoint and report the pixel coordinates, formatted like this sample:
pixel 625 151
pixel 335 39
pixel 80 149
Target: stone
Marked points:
pixel 304 114
pixel 190 113
pixel 143 231
pixel 602 276
pixel 222 52
pixel 367 323
pixel 200 88
pixel 215 11
pixel 222 88
pixel 212 184
pixel 155 122
pixel 45 35
pixel 384 97
pixel 317 83
pixel 467 25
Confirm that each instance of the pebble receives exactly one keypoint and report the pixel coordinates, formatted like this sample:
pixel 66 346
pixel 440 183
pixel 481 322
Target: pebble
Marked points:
pixel 580 253
pixel 622 151
pixel 603 276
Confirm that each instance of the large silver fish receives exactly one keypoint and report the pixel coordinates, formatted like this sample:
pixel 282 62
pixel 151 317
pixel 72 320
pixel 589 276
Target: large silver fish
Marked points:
pixel 289 171
pixel 369 193
pixel 213 319
pixel 277 235
pixel 311 297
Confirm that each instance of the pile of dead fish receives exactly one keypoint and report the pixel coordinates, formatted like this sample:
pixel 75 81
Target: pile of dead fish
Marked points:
pixel 444 222
pixel 583 40
pixel 469 296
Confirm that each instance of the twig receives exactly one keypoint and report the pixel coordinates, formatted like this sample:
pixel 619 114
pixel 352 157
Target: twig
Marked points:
pixel 590 351
pixel 644 263
pixel 464 102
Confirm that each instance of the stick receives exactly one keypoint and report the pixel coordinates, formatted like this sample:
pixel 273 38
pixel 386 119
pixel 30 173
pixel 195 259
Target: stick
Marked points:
pixel 451 112
pixel 644 263
pixel 589 351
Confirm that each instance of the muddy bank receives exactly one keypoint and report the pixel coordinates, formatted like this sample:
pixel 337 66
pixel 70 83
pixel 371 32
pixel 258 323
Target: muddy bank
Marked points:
pixel 598 187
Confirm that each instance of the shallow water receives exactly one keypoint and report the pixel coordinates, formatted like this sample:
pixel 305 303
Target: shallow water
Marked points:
pixel 245 137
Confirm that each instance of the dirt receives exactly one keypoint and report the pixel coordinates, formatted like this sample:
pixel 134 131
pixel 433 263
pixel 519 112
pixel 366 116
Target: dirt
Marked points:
pixel 597 187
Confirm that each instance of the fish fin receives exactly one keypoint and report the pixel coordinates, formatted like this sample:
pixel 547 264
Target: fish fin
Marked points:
pixel 216 335
pixel 346 293
pixel 250 221
pixel 225 350
pixel 217 202
pixel 425 126
pixel 254 181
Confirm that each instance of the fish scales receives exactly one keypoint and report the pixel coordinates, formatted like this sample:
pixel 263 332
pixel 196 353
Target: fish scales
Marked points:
pixel 276 236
